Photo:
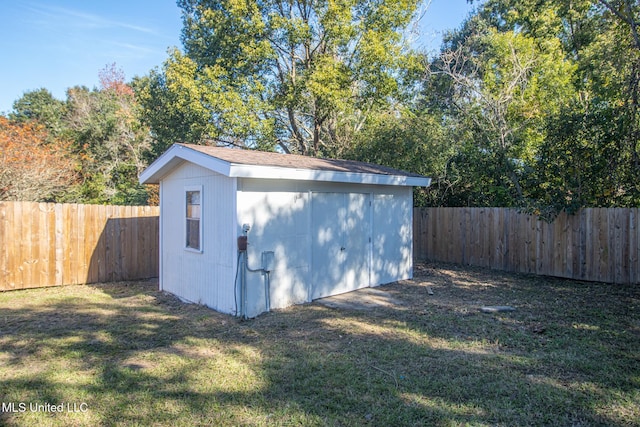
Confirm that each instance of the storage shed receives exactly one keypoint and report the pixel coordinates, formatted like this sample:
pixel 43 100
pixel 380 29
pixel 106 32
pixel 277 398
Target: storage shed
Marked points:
pixel 244 231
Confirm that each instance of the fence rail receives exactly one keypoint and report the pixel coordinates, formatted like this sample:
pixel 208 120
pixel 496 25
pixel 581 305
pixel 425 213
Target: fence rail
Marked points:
pixel 596 244
pixel 47 244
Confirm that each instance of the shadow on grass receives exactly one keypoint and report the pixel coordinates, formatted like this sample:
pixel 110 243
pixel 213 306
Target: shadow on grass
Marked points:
pixel 567 356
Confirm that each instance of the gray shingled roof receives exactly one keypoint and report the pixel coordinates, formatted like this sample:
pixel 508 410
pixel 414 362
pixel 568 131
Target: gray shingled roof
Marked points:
pixel 294 161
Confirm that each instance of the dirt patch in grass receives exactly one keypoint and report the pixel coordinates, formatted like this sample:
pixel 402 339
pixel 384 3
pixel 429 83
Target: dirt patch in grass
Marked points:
pixel 362 299
pixel 568 355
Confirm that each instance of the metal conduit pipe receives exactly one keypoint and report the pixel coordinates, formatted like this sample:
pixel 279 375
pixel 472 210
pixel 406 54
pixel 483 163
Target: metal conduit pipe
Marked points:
pixel 267 260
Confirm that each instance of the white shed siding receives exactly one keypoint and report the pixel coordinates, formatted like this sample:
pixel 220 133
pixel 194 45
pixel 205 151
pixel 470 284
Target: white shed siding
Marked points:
pixel 279 222
pixel 392 235
pixel 205 277
pixel 280 213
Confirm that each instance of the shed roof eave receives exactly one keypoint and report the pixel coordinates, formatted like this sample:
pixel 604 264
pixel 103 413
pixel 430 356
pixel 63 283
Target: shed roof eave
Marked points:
pixel 273 172
pixel 175 156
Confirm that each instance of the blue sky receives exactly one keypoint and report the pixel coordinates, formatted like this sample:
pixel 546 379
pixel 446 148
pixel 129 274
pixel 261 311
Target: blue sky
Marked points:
pixel 58 44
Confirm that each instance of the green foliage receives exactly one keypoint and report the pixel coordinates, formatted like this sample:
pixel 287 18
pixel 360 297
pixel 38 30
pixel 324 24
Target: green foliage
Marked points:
pixel 110 142
pixel 412 142
pixel 304 76
pixel 499 87
pixel 41 106
pixel 583 162
pixel 542 101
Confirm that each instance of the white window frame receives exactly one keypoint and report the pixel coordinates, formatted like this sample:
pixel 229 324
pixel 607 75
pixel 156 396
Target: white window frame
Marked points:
pixel 187 189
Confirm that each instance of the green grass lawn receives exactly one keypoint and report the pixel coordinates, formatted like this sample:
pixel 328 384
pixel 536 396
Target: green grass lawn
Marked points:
pixel 125 354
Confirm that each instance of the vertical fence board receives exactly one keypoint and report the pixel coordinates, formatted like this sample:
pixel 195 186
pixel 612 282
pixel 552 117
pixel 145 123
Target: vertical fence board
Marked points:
pixel 593 250
pixel 44 243
pixel 10 240
pixel 474 237
pixel 128 242
pixel 582 238
pixel 24 277
pixel 468 235
pixel 51 262
pixel 112 244
pixel 421 252
pixel 424 236
pixel 513 238
pixel 557 238
pixel 155 254
pixel 70 251
pixel 99 260
pixel 75 243
pixel 634 246
pixel 575 260
pixel 132 258
pixel 35 238
pixel 81 270
pixel 4 255
pixel 497 246
pixel 540 248
pixel 457 239
pixel 424 233
pixel 26 245
pixel 531 224
pixel 121 243
pixel 611 246
pixel 16 280
pixel 526 244
pixel 445 219
pixel 483 236
pixel 59 250
pixel 91 237
pixel 489 240
pixel 433 227
pixel 499 223
pixel 622 245
pixel 145 249
pixel 603 244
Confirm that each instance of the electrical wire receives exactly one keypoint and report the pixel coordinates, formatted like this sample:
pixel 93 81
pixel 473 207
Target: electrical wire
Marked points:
pixel 235 287
pixel 257 270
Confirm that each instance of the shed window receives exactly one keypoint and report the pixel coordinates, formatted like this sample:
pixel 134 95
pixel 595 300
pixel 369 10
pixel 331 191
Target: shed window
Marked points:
pixel 194 215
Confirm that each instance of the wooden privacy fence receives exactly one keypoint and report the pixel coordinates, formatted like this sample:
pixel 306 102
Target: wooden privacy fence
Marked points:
pixel 596 244
pixel 47 244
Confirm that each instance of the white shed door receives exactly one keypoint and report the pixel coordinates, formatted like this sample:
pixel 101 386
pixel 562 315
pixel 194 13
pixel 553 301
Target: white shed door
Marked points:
pixel 341 244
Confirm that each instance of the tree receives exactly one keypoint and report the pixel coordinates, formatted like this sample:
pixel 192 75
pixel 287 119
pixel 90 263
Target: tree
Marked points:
pixel 500 86
pixel 40 105
pixel 302 75
pixel 109 139
pixel 411 141
pixel 623 21
pixel 31 169
pixel 590 157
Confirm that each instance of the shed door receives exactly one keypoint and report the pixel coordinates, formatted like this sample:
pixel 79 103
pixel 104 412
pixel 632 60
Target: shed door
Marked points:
pixel 341 229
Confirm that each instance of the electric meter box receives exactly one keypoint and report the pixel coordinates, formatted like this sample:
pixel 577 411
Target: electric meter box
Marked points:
pixel 268 261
